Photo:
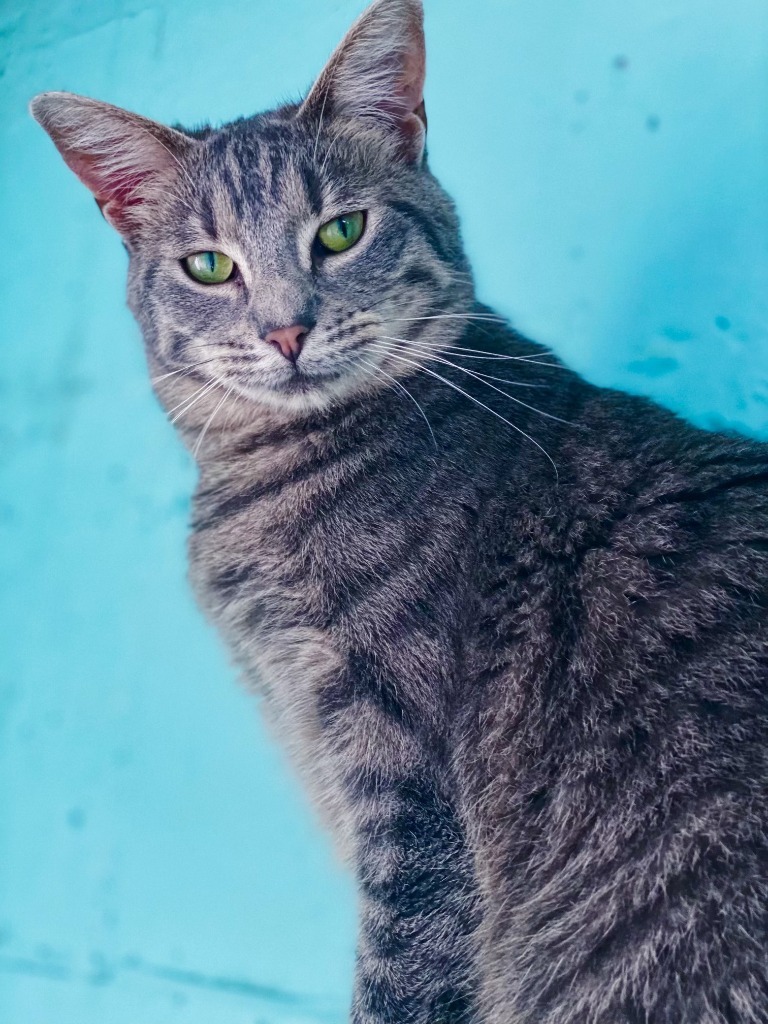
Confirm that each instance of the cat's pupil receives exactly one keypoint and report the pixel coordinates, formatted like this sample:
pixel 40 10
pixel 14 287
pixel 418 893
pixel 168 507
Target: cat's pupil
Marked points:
pixel 344 226
pixel 211 257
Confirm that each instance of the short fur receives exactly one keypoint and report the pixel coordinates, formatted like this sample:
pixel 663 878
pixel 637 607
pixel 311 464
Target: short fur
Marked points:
pixel 530 701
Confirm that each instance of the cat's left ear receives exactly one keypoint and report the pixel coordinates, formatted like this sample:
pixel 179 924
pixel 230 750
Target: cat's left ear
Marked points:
pixel 124 159
pixel 377 74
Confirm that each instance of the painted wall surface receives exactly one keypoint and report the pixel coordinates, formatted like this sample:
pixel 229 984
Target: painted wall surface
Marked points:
pixel 157 860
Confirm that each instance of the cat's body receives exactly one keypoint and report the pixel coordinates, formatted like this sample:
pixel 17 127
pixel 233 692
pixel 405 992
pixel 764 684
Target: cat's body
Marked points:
pixel 515 640
pixel 532 708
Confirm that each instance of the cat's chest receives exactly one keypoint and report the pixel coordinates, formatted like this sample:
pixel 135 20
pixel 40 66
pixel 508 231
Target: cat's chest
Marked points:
pixel 332 609
pixel 310 564
pixel 259 582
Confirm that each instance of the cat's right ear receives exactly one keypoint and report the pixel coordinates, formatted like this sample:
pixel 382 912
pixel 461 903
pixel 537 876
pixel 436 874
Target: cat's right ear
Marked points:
pixel 124 159
pixel 376 75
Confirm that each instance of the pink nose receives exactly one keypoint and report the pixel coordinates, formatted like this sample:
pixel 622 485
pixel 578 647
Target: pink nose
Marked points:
pixel 290 340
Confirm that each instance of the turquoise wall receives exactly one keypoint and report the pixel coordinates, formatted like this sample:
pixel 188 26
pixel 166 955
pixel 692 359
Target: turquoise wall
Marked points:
pixel 610 159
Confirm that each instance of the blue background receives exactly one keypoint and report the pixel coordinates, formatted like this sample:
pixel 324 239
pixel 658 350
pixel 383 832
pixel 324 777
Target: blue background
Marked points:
pixel 610 160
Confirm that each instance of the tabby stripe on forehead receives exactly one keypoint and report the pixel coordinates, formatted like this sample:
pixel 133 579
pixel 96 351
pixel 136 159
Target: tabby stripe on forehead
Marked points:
pixel 208 215
pixel 276 168
pixel 232 188
pixel 314 190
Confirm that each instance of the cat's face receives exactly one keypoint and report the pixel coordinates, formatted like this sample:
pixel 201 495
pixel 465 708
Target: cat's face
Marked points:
pixel 290 257
pixel 264 193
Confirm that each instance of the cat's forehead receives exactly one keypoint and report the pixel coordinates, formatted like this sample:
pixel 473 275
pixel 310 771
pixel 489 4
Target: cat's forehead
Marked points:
pixel 275 166
pixel 256 167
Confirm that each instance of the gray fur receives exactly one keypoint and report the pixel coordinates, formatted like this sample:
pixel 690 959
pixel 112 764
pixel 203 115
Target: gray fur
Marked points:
pixel 529 702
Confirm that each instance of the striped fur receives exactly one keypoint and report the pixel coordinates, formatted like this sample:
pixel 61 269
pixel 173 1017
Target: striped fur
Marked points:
pixel 514 635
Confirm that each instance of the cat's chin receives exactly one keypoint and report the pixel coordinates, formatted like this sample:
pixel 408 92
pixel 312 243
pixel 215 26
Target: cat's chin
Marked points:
pixel 303 393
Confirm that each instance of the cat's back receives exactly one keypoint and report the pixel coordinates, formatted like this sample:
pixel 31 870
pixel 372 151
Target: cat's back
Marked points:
pixel 617 741
pixel 635 580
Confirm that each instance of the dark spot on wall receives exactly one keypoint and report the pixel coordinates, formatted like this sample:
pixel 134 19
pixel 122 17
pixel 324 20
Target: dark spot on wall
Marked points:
pixel 652 123
pixel 677 334
pixel 76 818
pixel 723 323
pixel 35 968
pixel 122 757
pixel 46 952
pixel 101 972
pixel 654 366
pixel 621 62
pixel 109 918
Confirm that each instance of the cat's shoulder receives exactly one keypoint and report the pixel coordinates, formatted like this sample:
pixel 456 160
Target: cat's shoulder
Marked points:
pixel 668 521
pixel 657 458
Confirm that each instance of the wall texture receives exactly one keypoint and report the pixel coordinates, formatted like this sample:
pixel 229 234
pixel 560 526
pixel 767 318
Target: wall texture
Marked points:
pixel 610 160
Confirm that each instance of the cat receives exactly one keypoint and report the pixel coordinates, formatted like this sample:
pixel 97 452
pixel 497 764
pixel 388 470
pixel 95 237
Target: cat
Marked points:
pixel 513 628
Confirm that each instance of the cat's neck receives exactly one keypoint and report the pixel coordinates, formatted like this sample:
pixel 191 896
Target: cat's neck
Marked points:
pixel 226 434
pixel 221 428
pixel 215 422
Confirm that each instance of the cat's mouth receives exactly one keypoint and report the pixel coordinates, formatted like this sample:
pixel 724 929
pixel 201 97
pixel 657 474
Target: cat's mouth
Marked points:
pixel 300 381
pixel 299 388
pixel 304 384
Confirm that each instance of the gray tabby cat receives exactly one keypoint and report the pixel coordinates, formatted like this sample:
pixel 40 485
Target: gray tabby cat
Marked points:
pixel 531 702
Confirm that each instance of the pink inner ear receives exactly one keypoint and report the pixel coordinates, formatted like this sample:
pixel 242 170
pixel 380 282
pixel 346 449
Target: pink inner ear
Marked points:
pixel 119 156
pixel 406 71
pixel 117 190
pixel 412 85
pixel 406 97
pixel 379 69
pixel 120 185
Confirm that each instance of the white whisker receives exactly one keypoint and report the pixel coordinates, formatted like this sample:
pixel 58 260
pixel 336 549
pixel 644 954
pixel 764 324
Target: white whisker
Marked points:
pixel 183 369
pixel 402 387
pixel 464 353
pixel 187 399
pixel 478 353
pixel 209 421
pixel 479 377
pixel 448 316
pixel 187 405
pixel 435 353
pixel 461 391
pixel 320 122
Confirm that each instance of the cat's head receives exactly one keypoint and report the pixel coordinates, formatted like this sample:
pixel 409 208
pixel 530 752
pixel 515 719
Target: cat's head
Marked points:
pixel 285 256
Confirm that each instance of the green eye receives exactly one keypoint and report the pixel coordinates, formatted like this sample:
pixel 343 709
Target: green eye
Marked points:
pixel 342 232
pixel 210 267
